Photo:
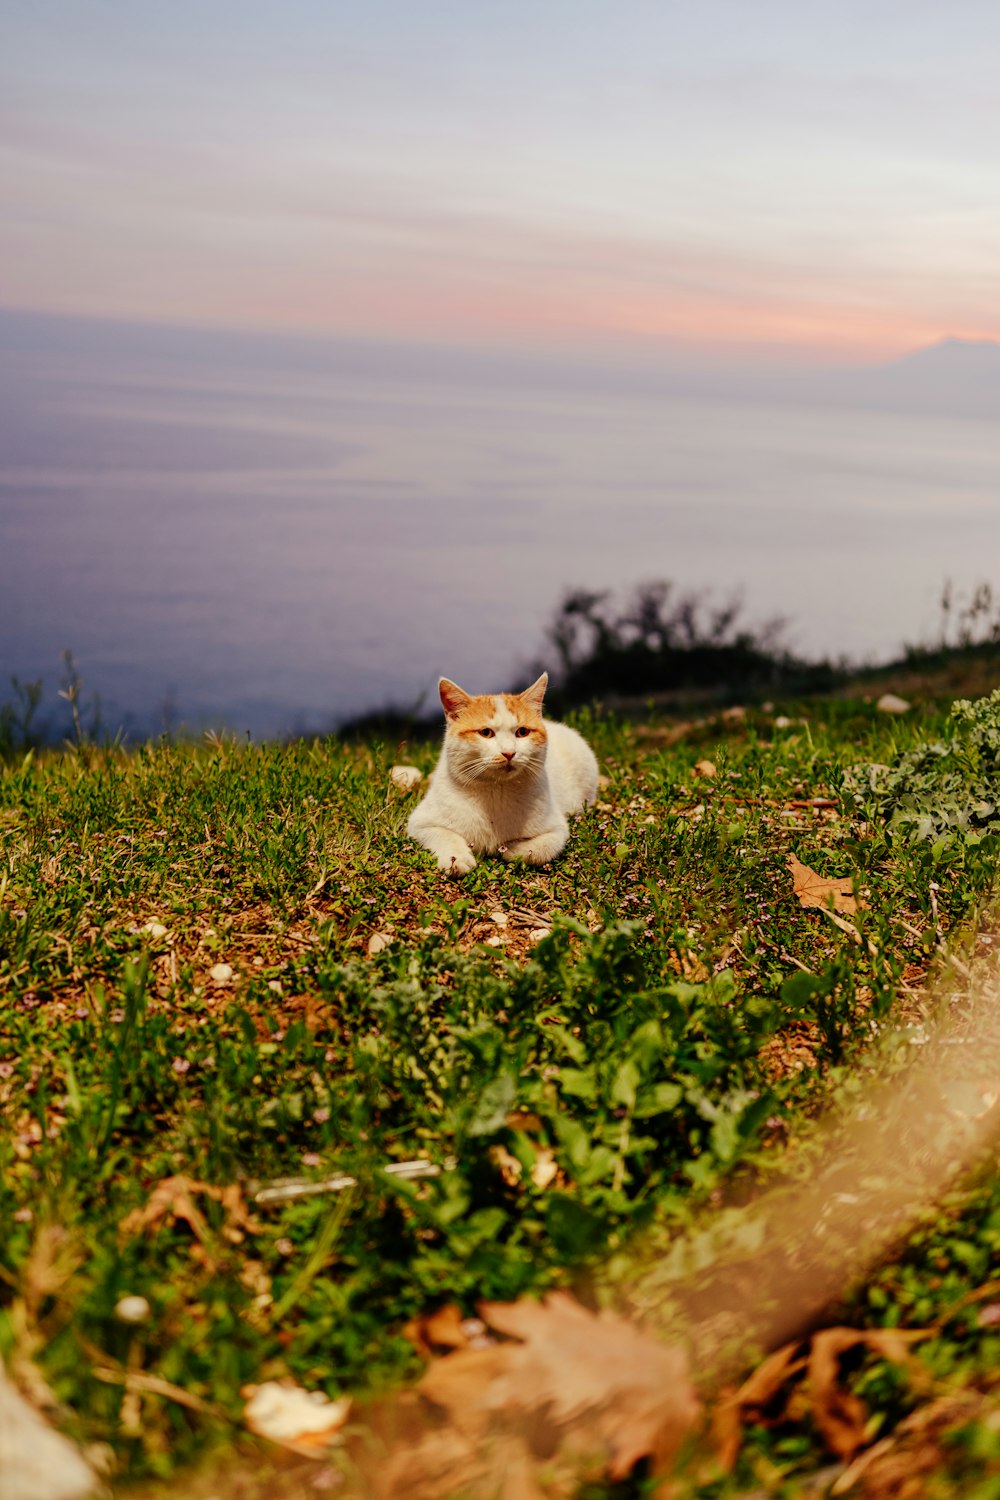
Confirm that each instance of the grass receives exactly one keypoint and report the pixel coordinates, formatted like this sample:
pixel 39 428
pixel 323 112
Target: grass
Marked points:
pixel 188 996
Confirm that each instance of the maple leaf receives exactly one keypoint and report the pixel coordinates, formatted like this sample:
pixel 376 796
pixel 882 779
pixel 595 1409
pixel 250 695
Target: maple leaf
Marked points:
pixel 567 1379
pixel 815 890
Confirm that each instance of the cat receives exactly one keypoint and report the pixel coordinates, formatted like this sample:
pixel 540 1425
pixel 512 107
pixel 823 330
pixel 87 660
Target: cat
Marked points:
pixel 505 782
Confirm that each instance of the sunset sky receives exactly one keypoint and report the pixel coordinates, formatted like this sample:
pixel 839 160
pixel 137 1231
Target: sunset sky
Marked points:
pixel 819 176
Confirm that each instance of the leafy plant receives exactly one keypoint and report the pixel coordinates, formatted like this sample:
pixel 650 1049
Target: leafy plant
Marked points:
pixel 945 792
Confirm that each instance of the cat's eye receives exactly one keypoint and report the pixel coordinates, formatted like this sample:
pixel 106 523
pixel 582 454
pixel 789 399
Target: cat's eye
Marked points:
pixel 487 734
pixel 522 731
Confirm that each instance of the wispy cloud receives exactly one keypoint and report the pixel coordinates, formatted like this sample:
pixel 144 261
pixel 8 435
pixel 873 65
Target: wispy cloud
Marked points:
pixel 827 181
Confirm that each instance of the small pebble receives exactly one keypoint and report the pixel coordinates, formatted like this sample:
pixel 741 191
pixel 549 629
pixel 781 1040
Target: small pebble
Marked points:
pixel 378 942
pixel 155 929
pixel 132 1309
pixel 537 933
pixel 499 918
pixel 220 973
pixel 890 704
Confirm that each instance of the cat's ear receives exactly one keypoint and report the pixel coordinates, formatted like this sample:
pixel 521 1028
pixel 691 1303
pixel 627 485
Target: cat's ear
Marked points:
pixel 453 700
pixel 534 695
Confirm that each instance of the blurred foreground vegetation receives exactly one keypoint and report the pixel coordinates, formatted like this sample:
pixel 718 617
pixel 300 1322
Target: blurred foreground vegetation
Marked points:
pixel 224 965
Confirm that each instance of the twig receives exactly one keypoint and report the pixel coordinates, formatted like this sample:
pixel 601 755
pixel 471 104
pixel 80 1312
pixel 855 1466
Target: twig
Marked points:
pixel 289 1189
pixel 155 1385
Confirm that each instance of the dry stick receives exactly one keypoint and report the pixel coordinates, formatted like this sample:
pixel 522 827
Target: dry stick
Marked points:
pixel 155 1385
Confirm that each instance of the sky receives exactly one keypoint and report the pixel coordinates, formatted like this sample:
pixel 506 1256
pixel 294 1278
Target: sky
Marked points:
pixel 818 178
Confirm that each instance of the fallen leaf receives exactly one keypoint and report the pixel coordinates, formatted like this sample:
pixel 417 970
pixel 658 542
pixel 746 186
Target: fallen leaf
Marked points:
pixel 840 1415
pixel 173 1198
pixel 447 1328
pixel 602 1383
pixel 378 942
pixel 170 1199
pixel 816 890
pixel 303 1421
pixel 753 1395
pixel 704 768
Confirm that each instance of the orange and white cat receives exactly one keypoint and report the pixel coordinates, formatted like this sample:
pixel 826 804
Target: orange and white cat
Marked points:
pixel 506 781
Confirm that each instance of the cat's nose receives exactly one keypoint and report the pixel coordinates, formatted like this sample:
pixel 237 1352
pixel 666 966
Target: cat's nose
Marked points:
pixel 508 755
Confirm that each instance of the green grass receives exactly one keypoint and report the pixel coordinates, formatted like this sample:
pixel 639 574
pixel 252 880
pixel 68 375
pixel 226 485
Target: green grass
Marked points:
pixel 663 1036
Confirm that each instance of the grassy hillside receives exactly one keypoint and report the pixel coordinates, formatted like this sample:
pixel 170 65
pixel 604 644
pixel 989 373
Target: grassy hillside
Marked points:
pixel 222 966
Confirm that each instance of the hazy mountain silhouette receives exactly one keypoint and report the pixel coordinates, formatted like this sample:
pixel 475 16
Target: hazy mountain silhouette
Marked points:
pixel 957 376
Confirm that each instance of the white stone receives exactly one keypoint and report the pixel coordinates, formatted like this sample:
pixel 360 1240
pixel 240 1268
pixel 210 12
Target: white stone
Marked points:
pixel 36 1462
pixel 378 942
pixel 155 929
pixel 405 777
pixel 132 1309
pixel 890 704
pixel 220 973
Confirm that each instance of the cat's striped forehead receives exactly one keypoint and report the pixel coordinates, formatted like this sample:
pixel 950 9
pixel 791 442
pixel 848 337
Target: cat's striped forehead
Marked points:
pixel 495 711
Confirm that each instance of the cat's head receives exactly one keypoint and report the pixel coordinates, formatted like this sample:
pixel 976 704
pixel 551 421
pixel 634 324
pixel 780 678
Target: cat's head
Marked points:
pixel 494 737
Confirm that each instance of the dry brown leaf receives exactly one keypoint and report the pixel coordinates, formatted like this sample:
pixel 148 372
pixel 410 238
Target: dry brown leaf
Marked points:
pixel 173 1198
pixel 840 1415
pixel 599 1382
pixel 757 1392
pixel 705 768
pixel 816 890
pixel 170 1199
pixel 433 1332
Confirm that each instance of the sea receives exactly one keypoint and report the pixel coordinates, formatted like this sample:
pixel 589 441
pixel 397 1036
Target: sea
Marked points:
pixel 271 535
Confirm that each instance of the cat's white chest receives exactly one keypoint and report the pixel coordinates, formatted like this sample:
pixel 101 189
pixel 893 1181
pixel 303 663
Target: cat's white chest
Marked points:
pixel 506 781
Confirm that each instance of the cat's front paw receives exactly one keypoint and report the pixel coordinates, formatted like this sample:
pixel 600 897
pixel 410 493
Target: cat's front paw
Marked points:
pixel 534 851
pixel 457 863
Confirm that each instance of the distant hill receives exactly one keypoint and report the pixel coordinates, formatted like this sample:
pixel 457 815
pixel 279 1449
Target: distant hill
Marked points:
pixel 956 374
pixel 952 359
pixel 956 377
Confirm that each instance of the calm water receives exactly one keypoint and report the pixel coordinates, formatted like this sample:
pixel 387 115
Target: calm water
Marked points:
pixel 269 537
